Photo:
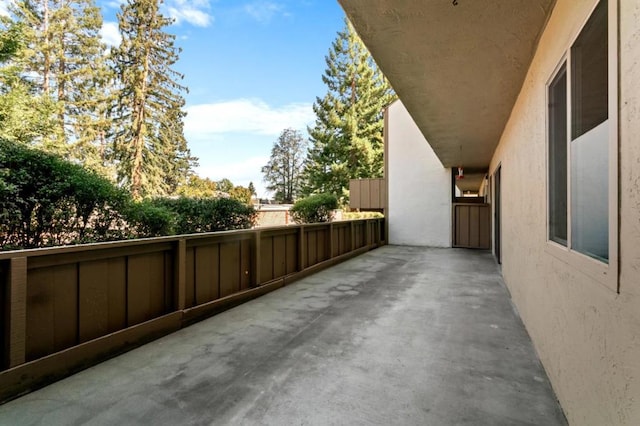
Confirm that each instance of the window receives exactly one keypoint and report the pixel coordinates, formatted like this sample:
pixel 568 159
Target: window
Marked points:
pixel 580 143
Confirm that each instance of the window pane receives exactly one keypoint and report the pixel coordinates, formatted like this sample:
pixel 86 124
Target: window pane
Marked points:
pixel 590 193
pixel 590 138
pixel 558 158
pixel 589 74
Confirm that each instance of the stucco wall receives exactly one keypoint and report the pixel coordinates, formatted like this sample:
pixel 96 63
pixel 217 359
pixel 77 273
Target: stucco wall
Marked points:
pixel 419 186
pixel 588 336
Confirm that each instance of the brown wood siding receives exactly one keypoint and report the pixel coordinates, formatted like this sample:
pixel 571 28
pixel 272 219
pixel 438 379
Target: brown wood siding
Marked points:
pixel 367 194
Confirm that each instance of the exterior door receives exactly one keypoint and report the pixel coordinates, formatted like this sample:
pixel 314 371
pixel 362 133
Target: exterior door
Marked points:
pixel 497 207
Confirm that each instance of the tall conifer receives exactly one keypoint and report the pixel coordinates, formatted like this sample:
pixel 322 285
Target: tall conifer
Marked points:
pixel 346 140
pixel 150 144
pixel 66 62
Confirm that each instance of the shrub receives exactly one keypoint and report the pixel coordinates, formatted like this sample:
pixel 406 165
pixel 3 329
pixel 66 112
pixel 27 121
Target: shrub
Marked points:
pixel 195 215
pixel 146 219
pixel 48 201
pixel 314 209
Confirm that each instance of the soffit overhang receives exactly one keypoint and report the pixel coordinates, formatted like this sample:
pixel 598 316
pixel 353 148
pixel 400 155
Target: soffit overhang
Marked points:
pixel 458 69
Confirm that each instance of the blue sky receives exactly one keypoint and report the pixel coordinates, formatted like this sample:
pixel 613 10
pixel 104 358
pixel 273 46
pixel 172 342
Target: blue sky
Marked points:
pixel 253 68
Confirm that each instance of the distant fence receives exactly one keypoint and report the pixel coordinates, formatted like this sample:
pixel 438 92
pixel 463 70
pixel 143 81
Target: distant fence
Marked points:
pixel 472 225
pixel 368 194
pixel 65 308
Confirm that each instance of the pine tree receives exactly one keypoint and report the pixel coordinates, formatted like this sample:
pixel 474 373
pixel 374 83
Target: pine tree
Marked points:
pixel 283 172
pixel 346 140
pixel 24 115
pixel 150 145
pixel 66 60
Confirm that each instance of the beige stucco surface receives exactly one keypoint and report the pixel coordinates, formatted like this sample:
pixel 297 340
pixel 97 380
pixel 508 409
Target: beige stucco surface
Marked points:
pixel 457 68
pixel 587 336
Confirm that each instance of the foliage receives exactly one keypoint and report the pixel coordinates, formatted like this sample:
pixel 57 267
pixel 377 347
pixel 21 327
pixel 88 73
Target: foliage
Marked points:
pixel 193 215
pixel 240 193
pixel 197 187
pixel 283 172
pixel 147 219
pixel 65 59
pixel 47 201
pixel 347 138
pixel 361 215
pixel 315 208
pixel 24 115
pixel 151 149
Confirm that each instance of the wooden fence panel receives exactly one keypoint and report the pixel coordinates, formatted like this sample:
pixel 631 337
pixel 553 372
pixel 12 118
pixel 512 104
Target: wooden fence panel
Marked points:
pixel 102 297
pixel 472 225
pixel 229 268
pixel 52 314
pixel 207 280
pixel 292 254
pixel 246 256
pixel 147 279
pixel 190 286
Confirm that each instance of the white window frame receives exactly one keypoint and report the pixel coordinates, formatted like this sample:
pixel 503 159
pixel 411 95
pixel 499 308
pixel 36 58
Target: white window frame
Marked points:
pixel 604 273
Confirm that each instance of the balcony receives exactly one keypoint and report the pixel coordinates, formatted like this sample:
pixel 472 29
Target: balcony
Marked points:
pixel 397 335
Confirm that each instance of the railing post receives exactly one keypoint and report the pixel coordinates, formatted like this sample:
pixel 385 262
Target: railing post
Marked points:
pixel 17 311
pixel 181 273
pixel 256 259
pixel 367 228
pixel 352 233
pixel 302 249
pixel 331 243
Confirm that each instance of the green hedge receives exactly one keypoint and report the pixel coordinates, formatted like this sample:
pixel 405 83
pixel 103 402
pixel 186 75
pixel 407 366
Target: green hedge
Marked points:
pixel 314 209
pixel 47 201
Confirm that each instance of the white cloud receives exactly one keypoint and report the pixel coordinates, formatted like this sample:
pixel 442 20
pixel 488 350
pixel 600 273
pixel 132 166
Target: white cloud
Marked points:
pixel 4 7
pixel 193 12
pixel 239 172
pixel 110 33
pixel 245 116
pixel 263 10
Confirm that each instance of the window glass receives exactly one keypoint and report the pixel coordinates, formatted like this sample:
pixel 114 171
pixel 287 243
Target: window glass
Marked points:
pixel 558 158
pixel 590 138
pixel 589 74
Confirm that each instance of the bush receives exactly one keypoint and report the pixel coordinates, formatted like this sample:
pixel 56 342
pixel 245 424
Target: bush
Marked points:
pixel 195 215
pixel 145 219
pixel 314 209
pixel 47 201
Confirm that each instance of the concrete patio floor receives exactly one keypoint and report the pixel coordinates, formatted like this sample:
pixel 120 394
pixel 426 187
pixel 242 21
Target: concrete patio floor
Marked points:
pixel 397 336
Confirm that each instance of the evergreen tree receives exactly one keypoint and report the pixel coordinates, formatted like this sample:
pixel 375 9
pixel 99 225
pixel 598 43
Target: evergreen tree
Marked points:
pixel 283 172
pixel 346 140
pixel 66 61
pixel 151 149
pixel 24 115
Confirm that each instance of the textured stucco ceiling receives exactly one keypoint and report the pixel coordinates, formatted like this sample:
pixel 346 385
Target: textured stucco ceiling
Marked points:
pixel 457 69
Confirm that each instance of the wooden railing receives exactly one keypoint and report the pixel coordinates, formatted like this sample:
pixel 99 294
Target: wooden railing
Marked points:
pixel 65 308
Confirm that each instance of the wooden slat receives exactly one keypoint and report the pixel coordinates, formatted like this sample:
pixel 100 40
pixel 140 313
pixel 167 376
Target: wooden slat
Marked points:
pixel 312 249
pixel 355 201
pixel 145 287
pixel 229 268
pixel 206 273
pixel 279 256
pixel 16 314
pixel 266 259
pixel 245 264
pixel 190 286
pixel 180 256
pixel 52 310
pixel 102 298
pixel 292 254
pixel 374 194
